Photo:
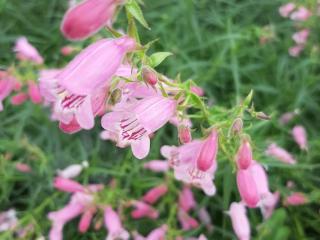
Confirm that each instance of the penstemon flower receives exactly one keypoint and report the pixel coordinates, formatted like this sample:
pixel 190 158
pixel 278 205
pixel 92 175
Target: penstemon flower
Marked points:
pixel 300 137
pixel 6 87
pixel 286 9
pixel 240 222
pixel 26 52
pixel 280 154
pixel 114 225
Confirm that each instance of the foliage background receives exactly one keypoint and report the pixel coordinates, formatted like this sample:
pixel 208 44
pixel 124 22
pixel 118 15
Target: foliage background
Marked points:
pixel 216 43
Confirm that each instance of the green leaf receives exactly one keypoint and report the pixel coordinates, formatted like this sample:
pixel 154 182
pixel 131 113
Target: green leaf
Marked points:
pixel 159 57
pixel 134 9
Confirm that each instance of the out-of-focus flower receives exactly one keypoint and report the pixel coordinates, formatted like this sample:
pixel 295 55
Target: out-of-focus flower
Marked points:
pixel 280 154
pixel 240 222
pixel 143 209
pixel 155 234
pixel 247 188
pixel 19 98
pixel 205 218
pixel 187 222
pixel 295 50
pixel 244 155
pixel 22 167
pixel 132 124
pixel 197 90
pixel 34 92
pixel 8 220
pixel 186 199
pixel 157 165
pixel 86 18
pixel 67 185
pixel 301 14
pixel 155 193
pixel 67 50
pixel 6 87
pixel 286 9
pixel 300 136
pixel 287 117
pixel 73 170
pixel 269 203
pixel 301 37
pixel 25 51
pixel 295 199
pixel 114 225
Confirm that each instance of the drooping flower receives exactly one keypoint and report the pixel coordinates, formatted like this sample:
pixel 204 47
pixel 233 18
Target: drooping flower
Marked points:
pixel 295 199
pixel 143 209
pixel 244 155
pixel 25 51
pixel 286 9
pixel 67 185
pixel 133 123
pixel 114 225
pixel 280 154
pixel 247 188
pixel 155 193
pixel 301 37
pixel 205 218
pixel 287 117
pixel 240 222
pixel 86 18
pixel 23 167
pixel 301 14
pixel 300 136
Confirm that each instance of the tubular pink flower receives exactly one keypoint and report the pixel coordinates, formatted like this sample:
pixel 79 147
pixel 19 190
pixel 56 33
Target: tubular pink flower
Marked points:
pixel 280 154
pixel 158 233
pixel 247 188
pixel 208 152
pixel 302 14
pixel 67 185
pixel 19 99
pixel 286 9
pixel 295 199
pixel 186 199
pixel 6 87
pixel 25 51
pixel 85 220
pixel 34 92
pixel 260 178
pixel 197 90
pixel 300 137
pixel 184 134
pixel 86 18
pixel 157 166
pixel 295 50
pixel 244 155
pixel 114 225
pixel 205 218
pixel 143 210
pixel 155 193
pixel 187 222
pixel 301 37
pixel 132 124
pixel 269 203
pixel 240 222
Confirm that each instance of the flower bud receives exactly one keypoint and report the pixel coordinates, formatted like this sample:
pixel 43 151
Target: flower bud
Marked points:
pixel 295 199
pixel 247 188
pixel 184 134
pixel 263 116
pixel 208 151
pixel 236 127
pixel 115 97
pixel 19 98
pixel 85 220
pixel 244 155
pixel 149 76
pixel 240 222
pixel 300 136
pixel 34 92
pixel 22 167
pixel 197 90
pixel 67 185
pixel 155 193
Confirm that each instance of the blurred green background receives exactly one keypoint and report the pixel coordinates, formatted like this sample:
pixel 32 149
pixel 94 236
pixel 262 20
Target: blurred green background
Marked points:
pixel 217 44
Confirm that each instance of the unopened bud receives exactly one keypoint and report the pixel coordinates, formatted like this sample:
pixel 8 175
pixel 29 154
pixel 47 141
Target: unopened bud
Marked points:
pixel 262 116
pixel 115 96
pixel 244 155
pixel 236 127
pixel 184 134
pixel 149 76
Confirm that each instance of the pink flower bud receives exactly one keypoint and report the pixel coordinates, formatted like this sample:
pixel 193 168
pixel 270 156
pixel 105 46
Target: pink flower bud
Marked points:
pixel 22 167
pixel 240 222
pixel 279 153
pixel 236 127
pixel 197 90
pixel 296 50
pixel 244 155
pixel 208 152
pixel 85 220
pixel 143 210
pixel 286 9
pixel 87 17
pixel 187 222
pixel 155 193
pixel 6 87
pixel 67 50
pixel 157 165
pixel 19 98
pixel 295 199
pixel 25 51
pixel 34 93
pixel 184 134
pixel 300 136
pixel 73 170
pixel 247 188
pixel 149 76
pixel 186 199
pixel 67 185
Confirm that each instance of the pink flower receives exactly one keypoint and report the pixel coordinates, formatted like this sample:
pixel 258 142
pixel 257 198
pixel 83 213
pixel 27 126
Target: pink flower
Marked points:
pixel 25 51
pixel 260 178
pixel 247 188
pixel 143 210
pixel 73 170
pixel 85 220
pixel 300 136
pixel 205 218
pixel 240 222
pixel 244 155
pixel 155 234
pixel 132 124
pixel 67 50
pixel 301 37
pixel 296 50
pixel 302 14
pixel 67 185
pixel 6 87
pixel 149 76
pixel 183 159
pixel 155 193
pixel 268 204
pixel 114 225
pixel 187 222
pixel 287 117
pixel 197 90
pixel 280 154
pixel 184 134
pixel 22 167
pixel 157 166
pixel 286 9
pixel 208 152
pixel 295 199
pixel 186 199
pixel 86 18
pixel 34 92
pixel 19 98
pixel 8 220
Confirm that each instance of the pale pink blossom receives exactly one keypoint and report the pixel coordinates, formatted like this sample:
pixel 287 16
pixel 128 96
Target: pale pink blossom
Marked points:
pixel 132 124
pixel 300 137
pixel 34 92
pixel 247 188
pixel 155 193
pixel 114 225
pixel 8 220
pixel 156 234
pixel 67 185
pixel 286 9
pixel 280 154
pixel 157 166
pixel 187 222
pixel 87 17
pixel 6 86
pixel 25 51
pixel 23 167
pixel 295 199
pixel 177 121
pixel 301 14
pixel 205 218
pixel 197 90
pixel 143 209
pixel 268 204
pixel 186 199
pixel 295 50
pixel 67 50
pixel 73 170
pixel 244 155
pixel 260 178
pixel 301 37
pixel 19 98
pixel 85 220
pixel 240 222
